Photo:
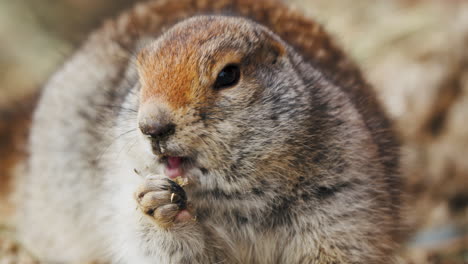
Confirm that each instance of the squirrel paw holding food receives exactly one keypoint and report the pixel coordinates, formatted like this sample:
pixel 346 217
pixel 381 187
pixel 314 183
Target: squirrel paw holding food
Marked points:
pixel 164 200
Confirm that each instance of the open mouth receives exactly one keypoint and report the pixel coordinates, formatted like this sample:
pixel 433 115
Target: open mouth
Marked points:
pixel 175 168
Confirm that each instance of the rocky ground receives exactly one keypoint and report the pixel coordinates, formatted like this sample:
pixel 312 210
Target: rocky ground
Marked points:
pixel 414 52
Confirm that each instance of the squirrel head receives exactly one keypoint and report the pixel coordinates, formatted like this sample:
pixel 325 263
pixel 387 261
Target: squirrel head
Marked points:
pixel 220 92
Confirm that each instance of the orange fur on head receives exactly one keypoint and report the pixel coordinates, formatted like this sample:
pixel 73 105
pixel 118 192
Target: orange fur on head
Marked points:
pixel 180 68
pixel 169 70
pixel 168 76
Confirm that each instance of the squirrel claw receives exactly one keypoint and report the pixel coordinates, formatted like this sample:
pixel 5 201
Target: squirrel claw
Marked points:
pixel 163 200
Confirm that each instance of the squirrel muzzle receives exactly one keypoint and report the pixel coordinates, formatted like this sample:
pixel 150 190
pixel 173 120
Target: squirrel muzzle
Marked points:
pixel 155 122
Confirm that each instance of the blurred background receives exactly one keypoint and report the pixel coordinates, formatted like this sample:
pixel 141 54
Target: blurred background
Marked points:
pixel 414 52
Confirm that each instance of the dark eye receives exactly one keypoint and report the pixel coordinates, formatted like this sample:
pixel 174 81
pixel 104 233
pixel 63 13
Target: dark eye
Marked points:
pixel 227 77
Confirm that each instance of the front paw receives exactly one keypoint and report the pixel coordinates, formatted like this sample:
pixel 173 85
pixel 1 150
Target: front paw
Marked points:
pixel 163 200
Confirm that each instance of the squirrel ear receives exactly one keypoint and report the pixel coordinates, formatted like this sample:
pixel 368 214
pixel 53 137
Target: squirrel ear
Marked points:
pixel 273 50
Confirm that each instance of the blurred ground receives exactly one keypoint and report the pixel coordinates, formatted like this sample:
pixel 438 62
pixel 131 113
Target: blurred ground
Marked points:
pixel 413 51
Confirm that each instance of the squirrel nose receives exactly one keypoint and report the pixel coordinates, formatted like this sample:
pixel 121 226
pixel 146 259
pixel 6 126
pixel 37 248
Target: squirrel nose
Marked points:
pixel 158 130
pixel 155 122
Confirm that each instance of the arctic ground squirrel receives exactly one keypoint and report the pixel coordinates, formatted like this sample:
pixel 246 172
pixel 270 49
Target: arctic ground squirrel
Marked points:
pixel 210 131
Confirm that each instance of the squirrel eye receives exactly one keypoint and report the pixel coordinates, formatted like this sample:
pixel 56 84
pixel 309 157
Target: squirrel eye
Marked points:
pixel 227 77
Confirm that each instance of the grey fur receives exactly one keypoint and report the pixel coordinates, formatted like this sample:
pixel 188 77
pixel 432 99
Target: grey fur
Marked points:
pixel 287 171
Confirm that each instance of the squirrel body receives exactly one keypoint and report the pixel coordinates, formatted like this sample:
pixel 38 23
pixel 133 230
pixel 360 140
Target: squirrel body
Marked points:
pixel 285 154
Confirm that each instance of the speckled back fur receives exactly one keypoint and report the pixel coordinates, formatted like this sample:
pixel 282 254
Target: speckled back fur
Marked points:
pixel 295 164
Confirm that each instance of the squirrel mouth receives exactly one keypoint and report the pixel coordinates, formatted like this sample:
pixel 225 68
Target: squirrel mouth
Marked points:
pixel 175 166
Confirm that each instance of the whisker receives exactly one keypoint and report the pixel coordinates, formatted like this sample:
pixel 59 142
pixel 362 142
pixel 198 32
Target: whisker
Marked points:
pixel 99 157
pixel 118 107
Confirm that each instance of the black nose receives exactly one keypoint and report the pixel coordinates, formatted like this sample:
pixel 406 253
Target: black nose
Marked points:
pixel 158 130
